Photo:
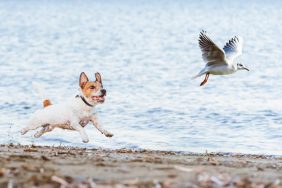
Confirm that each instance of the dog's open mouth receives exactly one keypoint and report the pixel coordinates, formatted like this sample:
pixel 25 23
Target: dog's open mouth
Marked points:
pixel 100 98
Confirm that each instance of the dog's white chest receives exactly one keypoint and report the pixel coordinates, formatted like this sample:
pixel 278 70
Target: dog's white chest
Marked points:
pixel 85 114
pixel 85 117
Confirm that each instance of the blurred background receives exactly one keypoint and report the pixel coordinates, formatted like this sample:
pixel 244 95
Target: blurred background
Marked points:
pixel 147 52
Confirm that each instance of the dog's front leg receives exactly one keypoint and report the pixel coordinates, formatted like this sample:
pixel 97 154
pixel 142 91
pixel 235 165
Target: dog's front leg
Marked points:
pixel 96 123
pixel 82 132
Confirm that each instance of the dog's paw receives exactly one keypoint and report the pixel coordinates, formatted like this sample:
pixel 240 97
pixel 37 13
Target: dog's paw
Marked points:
pixel 108 134
pixel 37 135
pixel 23 131
pixel 85 141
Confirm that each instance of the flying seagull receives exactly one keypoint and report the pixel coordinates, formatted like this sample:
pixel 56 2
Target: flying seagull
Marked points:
pixel 218 61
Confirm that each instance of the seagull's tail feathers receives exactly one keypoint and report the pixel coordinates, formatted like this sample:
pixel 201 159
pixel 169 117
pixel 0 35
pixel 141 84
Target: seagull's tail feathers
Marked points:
pixel 202 72
pixel 196 76
pixel 40 93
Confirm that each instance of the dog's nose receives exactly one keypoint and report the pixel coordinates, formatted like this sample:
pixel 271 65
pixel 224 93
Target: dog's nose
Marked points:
pixel 103 91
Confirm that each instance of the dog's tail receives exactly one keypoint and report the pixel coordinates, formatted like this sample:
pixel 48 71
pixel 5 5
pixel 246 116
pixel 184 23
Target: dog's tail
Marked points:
pixel 40 92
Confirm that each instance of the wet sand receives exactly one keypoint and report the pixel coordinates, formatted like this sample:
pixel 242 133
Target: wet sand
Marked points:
pixel 42 166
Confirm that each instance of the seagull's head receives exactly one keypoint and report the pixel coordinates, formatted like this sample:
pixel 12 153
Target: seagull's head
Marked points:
pixel 240 66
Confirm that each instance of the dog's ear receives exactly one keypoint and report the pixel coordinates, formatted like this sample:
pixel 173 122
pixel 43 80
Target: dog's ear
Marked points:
pixel 98 77
pixel 83 79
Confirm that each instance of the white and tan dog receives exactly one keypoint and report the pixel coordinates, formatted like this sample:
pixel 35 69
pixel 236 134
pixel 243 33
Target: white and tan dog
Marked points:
pixel 74 114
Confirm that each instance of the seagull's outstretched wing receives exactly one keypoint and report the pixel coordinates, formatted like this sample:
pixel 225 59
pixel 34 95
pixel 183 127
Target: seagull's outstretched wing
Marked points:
pixel 211 53
pixel 233 48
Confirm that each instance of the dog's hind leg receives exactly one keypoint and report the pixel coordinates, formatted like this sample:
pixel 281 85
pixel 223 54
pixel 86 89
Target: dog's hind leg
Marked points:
pixel 34 123
pixel 24 130
pixel 45 129
pixel 28 128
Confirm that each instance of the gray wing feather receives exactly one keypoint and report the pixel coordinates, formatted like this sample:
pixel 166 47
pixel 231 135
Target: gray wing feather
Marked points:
pixel 233 48
pixel 211 53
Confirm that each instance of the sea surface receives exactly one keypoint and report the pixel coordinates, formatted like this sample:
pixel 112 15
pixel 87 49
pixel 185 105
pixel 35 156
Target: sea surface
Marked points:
pixel 147 52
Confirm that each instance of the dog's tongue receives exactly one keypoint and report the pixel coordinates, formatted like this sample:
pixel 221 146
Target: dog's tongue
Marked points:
pixel 97 97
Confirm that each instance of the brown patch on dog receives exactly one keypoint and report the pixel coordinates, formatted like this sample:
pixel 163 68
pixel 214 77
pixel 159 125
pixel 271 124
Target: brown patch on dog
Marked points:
pixel 83 79
pixel 90 87
pixel 46 103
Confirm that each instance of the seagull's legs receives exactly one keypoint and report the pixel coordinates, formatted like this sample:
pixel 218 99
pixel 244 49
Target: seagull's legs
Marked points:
pixel 205 80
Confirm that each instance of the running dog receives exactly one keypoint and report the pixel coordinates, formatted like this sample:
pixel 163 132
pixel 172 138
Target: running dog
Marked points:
pixel 73 114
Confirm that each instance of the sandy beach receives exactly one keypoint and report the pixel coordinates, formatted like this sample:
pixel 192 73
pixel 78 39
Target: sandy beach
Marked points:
pixel 42 166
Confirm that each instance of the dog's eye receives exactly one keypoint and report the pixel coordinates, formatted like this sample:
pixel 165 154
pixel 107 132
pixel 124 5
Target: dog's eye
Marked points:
pixel 92 87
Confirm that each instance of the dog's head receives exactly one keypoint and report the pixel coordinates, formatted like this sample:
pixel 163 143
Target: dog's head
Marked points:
pixel 93 91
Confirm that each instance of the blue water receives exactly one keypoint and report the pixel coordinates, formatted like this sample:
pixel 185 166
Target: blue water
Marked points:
pixel 146 52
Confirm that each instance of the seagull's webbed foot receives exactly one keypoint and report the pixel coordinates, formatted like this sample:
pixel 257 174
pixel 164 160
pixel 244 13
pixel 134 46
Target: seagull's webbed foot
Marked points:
pixel 205 80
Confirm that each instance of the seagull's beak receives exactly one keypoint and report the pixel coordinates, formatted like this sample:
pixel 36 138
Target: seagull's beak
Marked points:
pixel 246 68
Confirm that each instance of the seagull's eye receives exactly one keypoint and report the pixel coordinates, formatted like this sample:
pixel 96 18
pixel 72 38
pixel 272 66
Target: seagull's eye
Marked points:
pixel 92 87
